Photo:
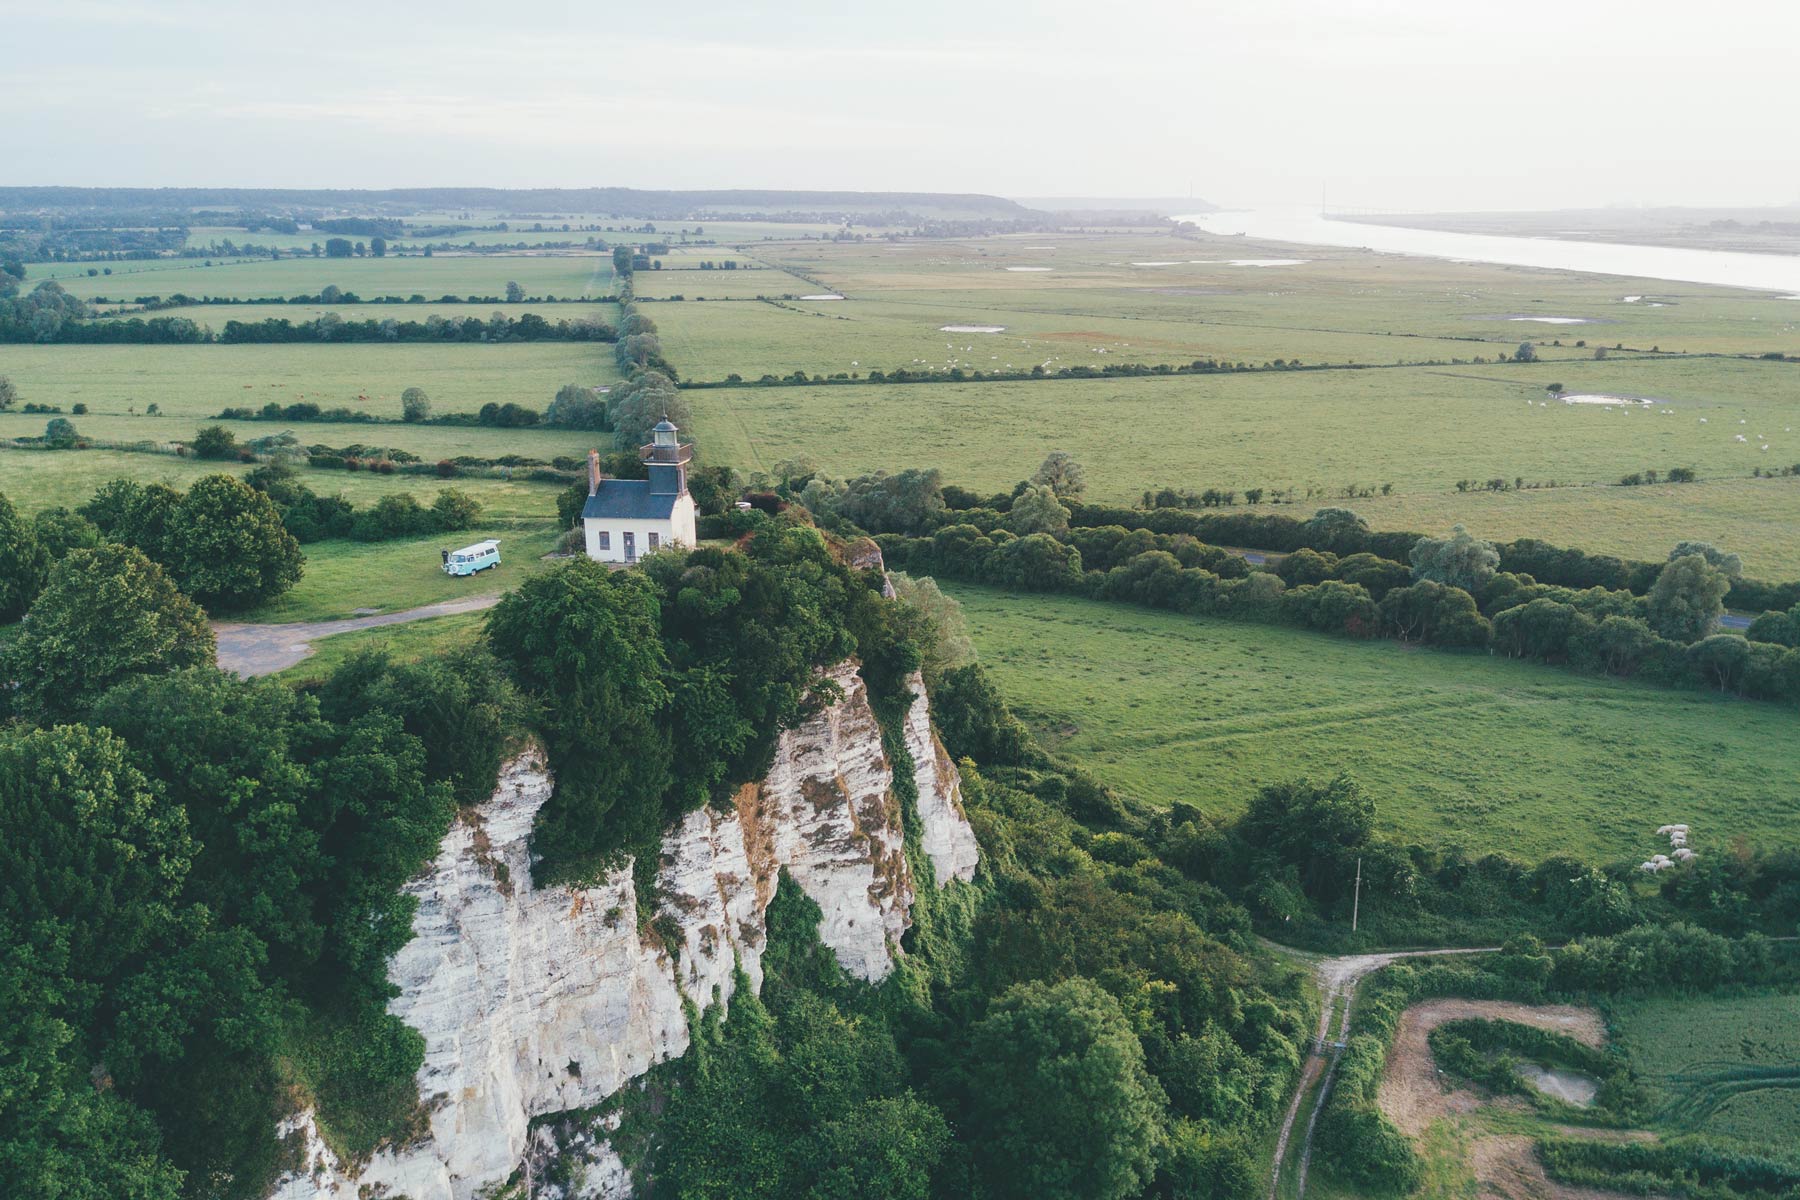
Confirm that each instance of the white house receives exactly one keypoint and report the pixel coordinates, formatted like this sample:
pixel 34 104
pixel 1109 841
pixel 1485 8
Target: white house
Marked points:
pixel 625 519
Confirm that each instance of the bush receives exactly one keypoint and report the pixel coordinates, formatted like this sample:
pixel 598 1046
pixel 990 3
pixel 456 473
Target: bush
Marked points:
pixel 214 441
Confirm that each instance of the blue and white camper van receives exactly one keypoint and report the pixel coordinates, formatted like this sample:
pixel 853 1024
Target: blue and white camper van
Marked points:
pixel 471 559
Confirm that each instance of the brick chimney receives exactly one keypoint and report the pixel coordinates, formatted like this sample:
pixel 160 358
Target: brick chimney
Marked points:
pixel 593 472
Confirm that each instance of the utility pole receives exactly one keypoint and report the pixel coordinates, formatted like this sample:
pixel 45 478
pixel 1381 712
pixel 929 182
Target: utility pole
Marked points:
pixel 1356 898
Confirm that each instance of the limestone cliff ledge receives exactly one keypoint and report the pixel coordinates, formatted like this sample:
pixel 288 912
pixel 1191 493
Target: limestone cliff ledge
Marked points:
pixel 536 1001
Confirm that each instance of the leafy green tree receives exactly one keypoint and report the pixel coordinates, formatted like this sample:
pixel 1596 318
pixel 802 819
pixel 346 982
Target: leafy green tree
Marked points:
pixel 455 509
pixel 1688 598
pixel 1037 510
pixel 59 531
pixel 1306 566
pixel 1460 560
pixel 514 293
pixel 1061 474
pixel 907 502
pixel 1336 529
pixel 105 615
pixel 133 513
pixel 947 644
pixel 621 260
pixel 415 405
pixel 1526 353
pixel 577 406
pixel 227 547
pixel 59 433
pixel 1060 1101
pixel 1315 827
pixel 588 641
pixel 9 394
pixel 26 563
pixel 887 1147
pixel 214 441
pixel 636 407
pixel 1731 564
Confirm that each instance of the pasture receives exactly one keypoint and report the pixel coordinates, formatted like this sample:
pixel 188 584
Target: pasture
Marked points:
pixel 1486 753
pixel 190 384
pixel 214 316
pixel 563 274
pixel 35 480
pixel 1720 1065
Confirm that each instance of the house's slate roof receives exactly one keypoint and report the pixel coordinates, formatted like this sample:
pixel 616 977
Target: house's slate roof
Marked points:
pixel 628 500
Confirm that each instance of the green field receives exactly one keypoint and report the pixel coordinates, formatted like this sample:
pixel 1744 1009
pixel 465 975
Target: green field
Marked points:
pixel 36 479
pixel 1487 753
pixel 214 316
pixel 409 642
pixel 342 576
pixel 193 383
pixel 1718 1065
pixel 563 274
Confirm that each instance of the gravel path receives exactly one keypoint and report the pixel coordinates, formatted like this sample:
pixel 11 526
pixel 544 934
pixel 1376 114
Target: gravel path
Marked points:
pixel 1337 978
pixel 250 650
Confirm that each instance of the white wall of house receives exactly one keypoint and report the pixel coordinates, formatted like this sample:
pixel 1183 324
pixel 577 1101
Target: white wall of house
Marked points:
pixel 678 530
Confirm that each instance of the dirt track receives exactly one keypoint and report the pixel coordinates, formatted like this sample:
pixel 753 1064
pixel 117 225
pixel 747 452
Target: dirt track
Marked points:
pixel 1411 1094
pixel 251 650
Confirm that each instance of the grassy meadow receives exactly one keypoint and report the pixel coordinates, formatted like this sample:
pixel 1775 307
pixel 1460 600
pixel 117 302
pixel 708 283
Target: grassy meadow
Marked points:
pixel 38 479
pixel 193 383
pixel 1487 753
pixel 1719 1065
pixel 562 274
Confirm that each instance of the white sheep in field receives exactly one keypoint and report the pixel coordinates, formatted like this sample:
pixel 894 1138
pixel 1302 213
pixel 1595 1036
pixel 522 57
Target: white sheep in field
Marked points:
pixel 1686 855
pixel 1666 830
pixel 1740 437
pixel 1655 863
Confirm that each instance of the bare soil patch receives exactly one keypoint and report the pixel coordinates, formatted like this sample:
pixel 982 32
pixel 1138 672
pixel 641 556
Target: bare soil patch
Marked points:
pixel 1411 1093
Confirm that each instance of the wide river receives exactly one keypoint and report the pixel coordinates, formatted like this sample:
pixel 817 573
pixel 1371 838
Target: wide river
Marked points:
pixel 1725 268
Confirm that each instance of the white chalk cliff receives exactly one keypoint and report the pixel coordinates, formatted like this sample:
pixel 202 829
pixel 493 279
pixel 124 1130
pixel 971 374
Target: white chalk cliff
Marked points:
pixel 536 1001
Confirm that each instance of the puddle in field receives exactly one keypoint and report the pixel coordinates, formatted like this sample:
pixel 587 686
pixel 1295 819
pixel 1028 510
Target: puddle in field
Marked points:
pixel 1030 268
pixel 1603 398
pixel 971 329
pixel 1174 262
pixel 1251 262
pixel 1571 1087
pixel 1556 320
pixel 823 296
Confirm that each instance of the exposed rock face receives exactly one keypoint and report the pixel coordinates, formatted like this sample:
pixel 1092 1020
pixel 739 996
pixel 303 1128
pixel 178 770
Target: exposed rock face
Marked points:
pixel 535 1001
pixel 947 839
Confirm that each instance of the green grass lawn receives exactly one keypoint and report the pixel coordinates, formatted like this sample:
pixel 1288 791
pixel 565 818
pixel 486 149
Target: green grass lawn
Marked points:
pixel 1487 753
pixel 343 576
pixel 1727 1065
pixel 407 643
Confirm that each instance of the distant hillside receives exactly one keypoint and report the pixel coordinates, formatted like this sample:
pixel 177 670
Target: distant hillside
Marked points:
pixel 620 202
pixel 1161 206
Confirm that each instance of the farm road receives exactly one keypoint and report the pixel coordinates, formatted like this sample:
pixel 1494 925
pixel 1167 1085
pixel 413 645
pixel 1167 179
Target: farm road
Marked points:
pixel 1337 978
pixel 251 650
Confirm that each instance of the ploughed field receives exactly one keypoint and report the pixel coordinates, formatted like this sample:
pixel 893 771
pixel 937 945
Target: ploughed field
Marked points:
pixel 1487 753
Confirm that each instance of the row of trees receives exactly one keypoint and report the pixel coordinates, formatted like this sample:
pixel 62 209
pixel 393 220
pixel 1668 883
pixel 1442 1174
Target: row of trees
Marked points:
pixel 222 542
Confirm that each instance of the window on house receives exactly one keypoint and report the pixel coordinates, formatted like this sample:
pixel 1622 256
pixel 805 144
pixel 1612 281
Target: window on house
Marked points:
pixel 605 540
pixel 653 541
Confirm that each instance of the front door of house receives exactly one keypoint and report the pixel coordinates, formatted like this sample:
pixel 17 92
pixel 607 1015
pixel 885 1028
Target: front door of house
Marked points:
pixel 631 547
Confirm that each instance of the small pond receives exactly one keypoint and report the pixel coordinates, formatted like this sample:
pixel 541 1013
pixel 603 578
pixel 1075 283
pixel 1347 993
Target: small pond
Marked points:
pixel 1571 1087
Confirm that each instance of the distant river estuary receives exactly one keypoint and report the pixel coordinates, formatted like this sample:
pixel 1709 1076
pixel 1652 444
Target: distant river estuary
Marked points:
pixel 1724 268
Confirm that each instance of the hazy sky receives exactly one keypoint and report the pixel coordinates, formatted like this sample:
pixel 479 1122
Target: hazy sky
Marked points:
pixel 1387 103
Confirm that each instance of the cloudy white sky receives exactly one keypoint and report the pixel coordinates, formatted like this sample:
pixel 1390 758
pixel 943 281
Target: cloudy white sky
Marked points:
pixel 1387 103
